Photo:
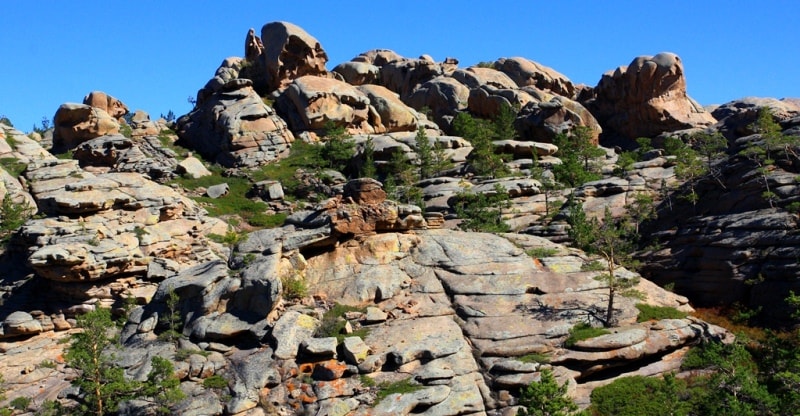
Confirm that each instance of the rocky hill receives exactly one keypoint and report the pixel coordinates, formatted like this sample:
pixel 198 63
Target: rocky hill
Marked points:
pixel 292 236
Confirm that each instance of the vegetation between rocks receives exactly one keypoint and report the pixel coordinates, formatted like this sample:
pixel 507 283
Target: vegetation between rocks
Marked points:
pixel 651 312
pixel 581 332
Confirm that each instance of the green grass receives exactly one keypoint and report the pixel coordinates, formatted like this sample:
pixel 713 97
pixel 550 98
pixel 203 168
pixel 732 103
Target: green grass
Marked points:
pixel 399 387
pixel 581 332
pixel 184 353
pixel 13 166
pixel 540 252
pixel 294 287
pixel 534 358
pixel 332 326
pixel 650 312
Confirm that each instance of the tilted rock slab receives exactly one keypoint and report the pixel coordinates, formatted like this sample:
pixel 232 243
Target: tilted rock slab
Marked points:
pixel 289 53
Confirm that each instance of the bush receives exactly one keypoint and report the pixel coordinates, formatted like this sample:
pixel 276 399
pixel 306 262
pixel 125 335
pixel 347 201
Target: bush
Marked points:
pixel 546 398
pixel 640 396
pixel 534 358
pixel 294 287
pixel 540 252
pixel 333 323
pixel 650 312
pixel 583 331
pixel 215 382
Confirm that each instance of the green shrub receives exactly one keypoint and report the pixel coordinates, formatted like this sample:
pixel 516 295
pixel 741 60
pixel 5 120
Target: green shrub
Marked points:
pixel 215 382
pixel 260 219
pixel 546 397
pixel 184 353
pixel 333 323
pixel 47 364
pixel 583 331
pixel 483 211
pixel 294 287
pixel 21 403
pixel 640 396
pixel 650 312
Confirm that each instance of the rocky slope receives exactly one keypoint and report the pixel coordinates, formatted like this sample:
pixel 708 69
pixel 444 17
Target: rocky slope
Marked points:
pixel 468 318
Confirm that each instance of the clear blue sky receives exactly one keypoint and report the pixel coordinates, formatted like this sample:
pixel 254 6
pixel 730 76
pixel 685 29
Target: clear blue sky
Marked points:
pixel 153 55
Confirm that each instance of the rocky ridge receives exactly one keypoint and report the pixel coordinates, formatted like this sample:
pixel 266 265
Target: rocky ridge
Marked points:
pixel 458 314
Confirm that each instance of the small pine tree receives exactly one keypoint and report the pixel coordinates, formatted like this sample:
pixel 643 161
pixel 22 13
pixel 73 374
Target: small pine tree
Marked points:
pixel 162 385
pixel 172 318
pixel 578 157
pixel 102 381
pixel 483 211
pixel 546 398
pixel 424 153
pixel 368 165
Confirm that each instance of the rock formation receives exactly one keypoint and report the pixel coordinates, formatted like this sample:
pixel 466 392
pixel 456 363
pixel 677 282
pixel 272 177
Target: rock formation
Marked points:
pixel 76 123
pixel 646 98
pixel 290 53
pixel 234 127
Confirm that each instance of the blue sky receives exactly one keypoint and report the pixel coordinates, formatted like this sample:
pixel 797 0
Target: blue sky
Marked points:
pixel 153 55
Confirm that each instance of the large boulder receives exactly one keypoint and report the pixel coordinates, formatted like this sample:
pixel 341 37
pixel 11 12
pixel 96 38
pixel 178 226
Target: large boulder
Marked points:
pixel 443 96
pixel 235 128
pixel 358 73
pixel 378 57
pixel 548 115
pixel 394 114
pixel 311 103
pixel 646 98
pixel 77 123
pixel 114 107
pixel 405 75
pixel 290 53
pixel 528 73
pixel 145 155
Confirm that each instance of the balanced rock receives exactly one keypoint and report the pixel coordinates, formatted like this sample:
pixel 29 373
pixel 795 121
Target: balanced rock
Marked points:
pixel 114 107
pixel 646 98
pixel 77 123
pixel 141 125
pixel 290 53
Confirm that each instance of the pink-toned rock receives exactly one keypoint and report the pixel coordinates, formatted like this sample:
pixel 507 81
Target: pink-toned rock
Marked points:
pixel 313 102
pixel 114 107
pixel 378 57
pixel 394 114
pixel 76 123
pixel 289 53
pixel 528 73
pixel 646 98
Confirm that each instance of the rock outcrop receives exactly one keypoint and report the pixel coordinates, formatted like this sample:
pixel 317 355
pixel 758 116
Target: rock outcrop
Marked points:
pixel 290 53
pixel 234 127
pixel 76 123
pixel 646 98
pixel 112 106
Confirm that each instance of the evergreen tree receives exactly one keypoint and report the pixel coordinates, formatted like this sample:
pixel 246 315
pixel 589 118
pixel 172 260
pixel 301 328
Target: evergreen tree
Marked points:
pixel 578 157
pixel 368 169
pixel 424 153
pixel 483 211
pixel 546 398
pixel 613 240
pixel 102 381
pixel 480 133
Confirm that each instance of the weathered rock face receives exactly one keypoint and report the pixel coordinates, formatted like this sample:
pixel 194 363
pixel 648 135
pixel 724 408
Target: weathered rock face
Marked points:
pixel 114 107
pixel 110 225
pixel 731 246
pixel 403 76
pixel 444 96
pixel 290 53
pixel 312 102
pixel 358 73
pixel 141 125
pixel 736 117
pixel 394 114
pixel 76 123
pixel 646 98
pixel 528 73
pixel 117 153
pixel 235 128
pixel 545 117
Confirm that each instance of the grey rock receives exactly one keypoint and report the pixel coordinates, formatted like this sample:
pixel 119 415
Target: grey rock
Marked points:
pixel 21 323
pixel 217 191
pixel 320 347
pixel 291 329
pixel 354 350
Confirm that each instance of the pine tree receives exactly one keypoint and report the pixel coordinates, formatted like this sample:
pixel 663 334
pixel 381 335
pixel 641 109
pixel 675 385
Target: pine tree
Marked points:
pixel 424 153
pixel 546 398
pixel 368 167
